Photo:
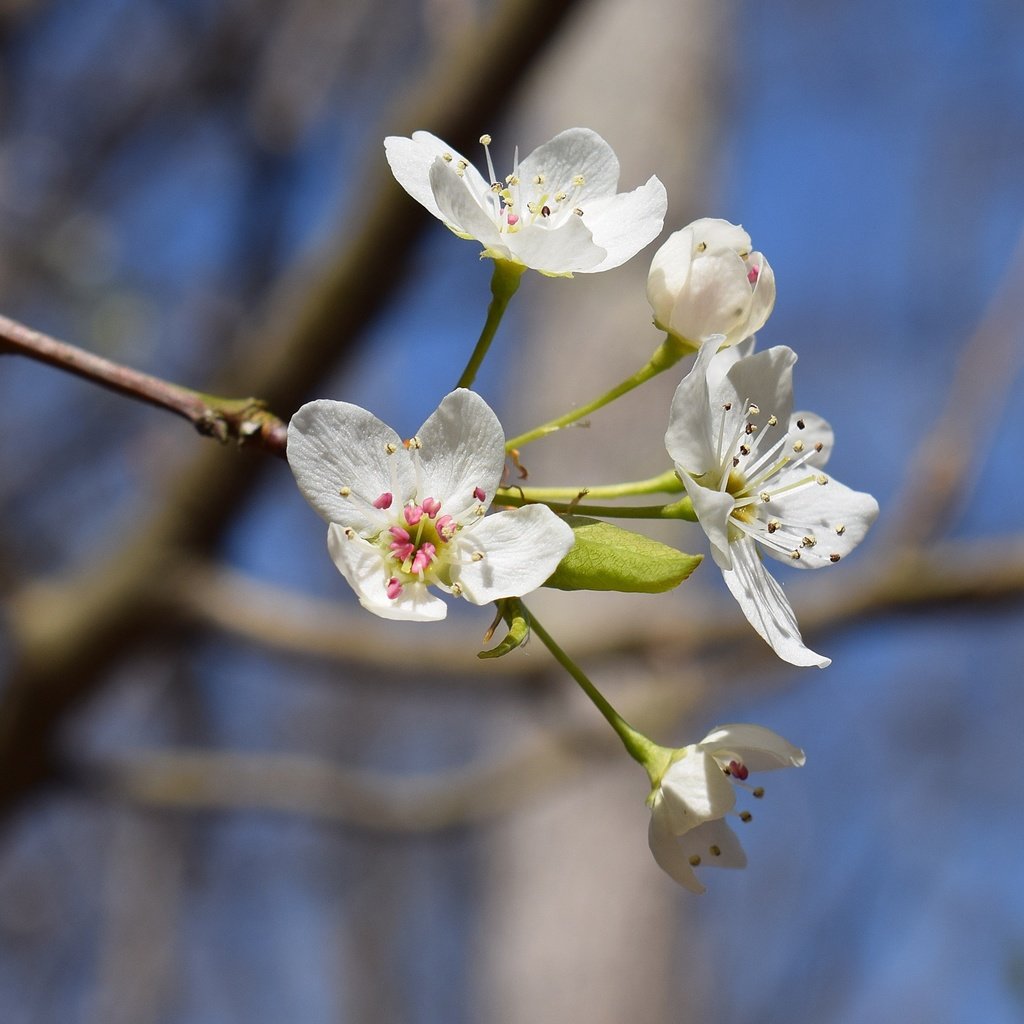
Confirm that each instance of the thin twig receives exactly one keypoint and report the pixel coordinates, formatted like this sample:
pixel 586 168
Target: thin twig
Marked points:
pixel 245 420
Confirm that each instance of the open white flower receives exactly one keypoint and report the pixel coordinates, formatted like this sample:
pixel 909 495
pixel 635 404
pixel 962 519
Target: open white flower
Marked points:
pixel 698 790
pixel 557 212
pixel 706 279
pixel 408 515
pixel 753 469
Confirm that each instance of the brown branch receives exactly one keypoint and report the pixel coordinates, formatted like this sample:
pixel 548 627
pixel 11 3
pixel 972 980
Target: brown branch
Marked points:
pixel 976 573
pixel 245 420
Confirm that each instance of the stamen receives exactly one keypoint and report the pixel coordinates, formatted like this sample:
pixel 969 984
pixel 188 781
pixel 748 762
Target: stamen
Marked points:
pixel 344 491
pixel 841 529
pixel 431 506
pixel 795 555
pixel 808 542
pixel 753 410
pixel 694 861
pixel 479 494
pixel 413 514
pixel 753 274
pixel 715 851
pixel 390 448
pixel 737 769
pixel 773 525
pixel 834 557
pixel 798 446
pixel 477 556
pixel 384 501
pixel 800 424
pixel 446 527
pixel 758 792
pixel 422 559
pixel 773 420
pixel 746 816
pixel 393 587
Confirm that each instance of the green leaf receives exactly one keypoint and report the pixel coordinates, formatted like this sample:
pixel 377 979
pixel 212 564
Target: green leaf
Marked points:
pixel 606 557
pixel 512 612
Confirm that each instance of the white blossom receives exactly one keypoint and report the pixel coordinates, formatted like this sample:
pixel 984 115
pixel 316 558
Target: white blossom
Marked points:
pixel 698 790
pixel 707 280
pixel 558 211
pixel 753 469
pixel 405 516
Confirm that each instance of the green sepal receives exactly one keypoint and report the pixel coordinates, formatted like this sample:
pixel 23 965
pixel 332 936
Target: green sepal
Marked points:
pixel 511 610
pixel 606 557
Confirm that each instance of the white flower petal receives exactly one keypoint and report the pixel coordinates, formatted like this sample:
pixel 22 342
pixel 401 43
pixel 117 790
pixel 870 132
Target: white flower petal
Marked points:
pixel 463 448
pixel 836 516
pixel 670 269
pixel 766 607
pixel 696 789
pixel 335 445
pixel 521 548
pixel 691 438
pixel 763 300
pixel 668 852
pixel 716 298
pixel 411 160
pixel 625 223
pixel 460 208
pixel 364 566
pixel 758 748
pixel 715 843
pixel 713 508
pixel 766 379
pixel 566 249
pixel 570 153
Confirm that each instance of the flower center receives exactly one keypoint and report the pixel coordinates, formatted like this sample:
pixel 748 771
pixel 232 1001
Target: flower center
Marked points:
pixel 761 462
pixel 514 203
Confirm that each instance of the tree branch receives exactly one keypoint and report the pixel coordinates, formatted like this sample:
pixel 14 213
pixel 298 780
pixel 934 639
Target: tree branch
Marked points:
pixel 245 420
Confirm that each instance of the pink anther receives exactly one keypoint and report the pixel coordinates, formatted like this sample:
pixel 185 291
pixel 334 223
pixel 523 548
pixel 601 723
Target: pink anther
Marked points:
pixel 413 514
pixel 513 219
pixel 479 494
pixel 431 506
pixel 422 559
pixel 738 770
pixel 384 501
pixel 753 274
pixel 446 527
pixel 393 588
pixel 399 534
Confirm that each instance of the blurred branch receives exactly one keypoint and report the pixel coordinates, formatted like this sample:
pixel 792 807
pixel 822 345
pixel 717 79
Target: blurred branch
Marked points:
pixel 318 788
pixel 245 420
pixel 68 634
pixel 971 572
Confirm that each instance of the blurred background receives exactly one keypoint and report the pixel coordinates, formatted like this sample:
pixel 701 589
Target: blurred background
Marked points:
pixel 227 793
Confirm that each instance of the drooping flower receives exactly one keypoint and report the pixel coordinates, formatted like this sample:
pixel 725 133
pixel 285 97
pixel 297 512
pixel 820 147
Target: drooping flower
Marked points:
pixel 405 516
pixel 698 790
pixel 558 211
pixel 753 469
pixel 707 280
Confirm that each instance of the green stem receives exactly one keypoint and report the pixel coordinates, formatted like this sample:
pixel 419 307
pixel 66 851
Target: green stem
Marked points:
pixel 639 747
pixel 504 282
pixel 681 509
pixel 668 354
pixel 663 483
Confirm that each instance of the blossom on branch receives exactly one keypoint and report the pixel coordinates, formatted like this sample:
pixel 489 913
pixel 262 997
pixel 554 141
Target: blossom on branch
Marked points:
pixel 706 280
pixel 753 469
pixel 405 516
pixel 558 212
pixel 698 790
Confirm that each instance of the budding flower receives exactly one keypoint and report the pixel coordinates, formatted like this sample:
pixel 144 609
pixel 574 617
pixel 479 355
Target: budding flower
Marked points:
pixel 706 280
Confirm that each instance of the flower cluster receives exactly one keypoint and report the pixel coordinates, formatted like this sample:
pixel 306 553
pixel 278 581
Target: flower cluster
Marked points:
pixel 410 517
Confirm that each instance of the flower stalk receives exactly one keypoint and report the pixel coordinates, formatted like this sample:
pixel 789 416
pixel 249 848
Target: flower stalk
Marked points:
pixel 504 284
pixel 669 352
pixel 655 759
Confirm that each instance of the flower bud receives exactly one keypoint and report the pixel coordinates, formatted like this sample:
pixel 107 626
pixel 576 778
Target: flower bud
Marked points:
pixel 705 280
